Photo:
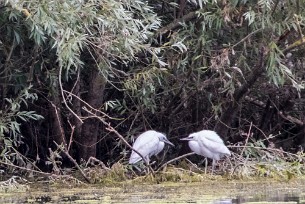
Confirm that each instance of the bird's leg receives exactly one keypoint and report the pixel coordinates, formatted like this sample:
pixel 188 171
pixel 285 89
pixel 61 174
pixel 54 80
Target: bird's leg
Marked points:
pixel 147 163
pixel 147 160
pixel 206 166
pixel 213 165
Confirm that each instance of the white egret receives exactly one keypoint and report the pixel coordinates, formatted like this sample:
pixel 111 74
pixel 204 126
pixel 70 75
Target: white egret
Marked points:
pixel 207 143
pixel 148 144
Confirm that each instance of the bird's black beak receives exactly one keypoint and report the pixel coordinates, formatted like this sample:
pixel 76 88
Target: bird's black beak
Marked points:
pixel 186 139
pixel 168 142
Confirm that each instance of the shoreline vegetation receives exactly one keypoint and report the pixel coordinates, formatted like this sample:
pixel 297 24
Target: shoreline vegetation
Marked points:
pixel 81 80
pixel 248 162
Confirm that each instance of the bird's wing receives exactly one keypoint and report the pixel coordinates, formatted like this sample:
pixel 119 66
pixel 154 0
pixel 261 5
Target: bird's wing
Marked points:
pixel 146 144
pixel 160 147
pixel 211 135
pixel 213 146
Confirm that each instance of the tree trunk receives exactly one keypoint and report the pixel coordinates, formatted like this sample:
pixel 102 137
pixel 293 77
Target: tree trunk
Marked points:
pixel 58 134
pixel 90 129
pixel 77 107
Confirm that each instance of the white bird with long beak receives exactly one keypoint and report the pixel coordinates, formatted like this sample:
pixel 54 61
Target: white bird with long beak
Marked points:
pixel 207 143
pixel 148 144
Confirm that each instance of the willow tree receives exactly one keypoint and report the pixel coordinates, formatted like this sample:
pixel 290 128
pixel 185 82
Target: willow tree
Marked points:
pixel 69 51
pixel 210 64
pixel 243 66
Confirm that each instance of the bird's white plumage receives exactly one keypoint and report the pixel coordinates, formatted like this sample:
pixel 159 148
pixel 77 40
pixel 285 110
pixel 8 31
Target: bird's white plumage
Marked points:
pixel 147 144
pixel 208 143
pixel 198 149
pixel 210 135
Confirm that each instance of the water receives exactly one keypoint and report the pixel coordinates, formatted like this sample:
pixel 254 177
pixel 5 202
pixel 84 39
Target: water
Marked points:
pixel 212 192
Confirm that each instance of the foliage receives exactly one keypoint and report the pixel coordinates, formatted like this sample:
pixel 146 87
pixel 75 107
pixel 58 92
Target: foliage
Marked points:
pixel 173 67
pixel 115 30
pixel 11 118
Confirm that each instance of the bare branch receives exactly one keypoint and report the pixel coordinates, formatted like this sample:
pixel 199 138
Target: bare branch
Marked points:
pixel 286 117
pixel 177 23
pixel 175 159
pixel 24 168
pixel 111 129
pixel 291 119
pixel 248 36
pixel 64 99
pixel 247 139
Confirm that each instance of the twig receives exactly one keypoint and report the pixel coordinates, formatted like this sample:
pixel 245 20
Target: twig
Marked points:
pixel 263 148
pixel 177 95
pixel 87 104
pixel 133 121
pixel 267 138
pixel 245 38
pixel 178 107
pixel 76 81
pixel 296 44
pixel 62 132
pixel 100 163
pixel 175 159
pixel 52 158
pixel 196 167
pixel 71 135
pixel 291 119
pixel 24 168
pixel 274 7
pixel 232 105
pixel 247 139
pixel 64 150
pixel 24 157
pixel 109 127
pixel 288 117
pixel 64 99
pixel 176 23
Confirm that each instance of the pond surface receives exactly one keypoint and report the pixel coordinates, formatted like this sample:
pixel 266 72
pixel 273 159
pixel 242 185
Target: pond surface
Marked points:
pixel 213 192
